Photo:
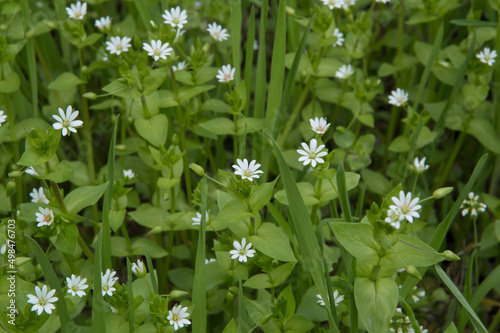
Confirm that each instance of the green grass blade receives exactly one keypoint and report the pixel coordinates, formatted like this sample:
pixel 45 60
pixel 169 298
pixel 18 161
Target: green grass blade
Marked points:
pixel 152 272
pixel 249 57
pixel 199 284
pixel 144 13
pixel 108 195
pixel 306 237
pixel 476 322
pixel 130 297
pixel 430 62
pixel 442 228
pixel 98 322
pixel 67 325
pixel 30 49
pixel 342 189
pixel 281 220
pixel 243 325
pixel 485 287
pixel 463 318
pixel 236 38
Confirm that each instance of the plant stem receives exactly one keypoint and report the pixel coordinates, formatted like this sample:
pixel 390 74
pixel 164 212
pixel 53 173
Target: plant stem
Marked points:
pixel 449 163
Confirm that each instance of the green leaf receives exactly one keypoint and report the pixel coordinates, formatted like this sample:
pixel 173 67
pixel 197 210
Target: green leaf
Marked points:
pixel 307 193
pixel 484 131
pixel 98 322
pixel 83 196
pixel 121 89
pixel 376 302
pixel 153 129
pixel 231 327
pixel 261 195
pixel 233 212
pixel 10 84
pixel 357 239
pixel 329 190
pixel 149 216
pixel 141 245
pixel 165 183
pixel 281 273
pixel 271 241
pixel 186 93
pixel 89 40
pixel 67 325
pixel 154 80
pixel 219 126
pixel 61 173
pixel 65 81
pixel 299 324
pixel 258 281
pixel 412 251
pixel 66 240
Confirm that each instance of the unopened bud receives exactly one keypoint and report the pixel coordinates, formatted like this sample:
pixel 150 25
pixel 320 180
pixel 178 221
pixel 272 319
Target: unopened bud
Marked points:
pixel 90 95
pixel 450 255
pixel 15 174
pixel 290 10
pixel 442 192
pixel 178 294
pixel 11 188
pixel 21 261
pixel 139 269
pixel 413 272
pixel 175 140
pixel 233 290
pixel 197 169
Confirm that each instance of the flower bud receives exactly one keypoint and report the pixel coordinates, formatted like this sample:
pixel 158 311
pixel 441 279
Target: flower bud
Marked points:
pixel 290 11
pixel 178 294
pixel 450 255
pixel 442 192
pixel 139 269
pixel 11 188
pixel 233 290
pixel 90 95
pixel 197 169
pixel 413 272
pixel 15 174
pixel 21 261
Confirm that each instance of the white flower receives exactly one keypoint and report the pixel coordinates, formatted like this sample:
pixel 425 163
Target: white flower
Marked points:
pixel 337 298
pixel 247 171
pixel 107 282
pixel 38 196
pixel 255 45
pixel 128 174
pixel 418 295
pixel 312 153
pixel 139 269
pixel 177 317
pixel 77 11
pixel 197 219
pixel 157 49
pixel 208 261
pixel 76 285
pixel 344 72
pixel 67 121
pixel 333 3
pixel 45 217
pixel 340 37
pixel 348 3
pixel 398 97
pixel 406 206
pixel 104 23
pixel 3 118
pixel 383 1
pixel 242 251
pixel 394 218
pixel 118 45
pixel 31 171
pixel 486 56
pixel 43 300
pixel 319 125
pixel 419 165
pixel 181 65
pixel 226 74
pixel 176 18
pixel 473 205
pixel 3 249
pixel 217 32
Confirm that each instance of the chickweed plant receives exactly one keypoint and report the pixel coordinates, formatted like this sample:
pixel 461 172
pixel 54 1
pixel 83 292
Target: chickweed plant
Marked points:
pixel 249 166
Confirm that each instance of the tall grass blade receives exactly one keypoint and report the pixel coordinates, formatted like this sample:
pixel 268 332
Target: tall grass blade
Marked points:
pixel 476 322
pixel 199 283
pixel 30 49
pixel 144 13
pixel 342 189
pixel 67 325
pixel 485 287
pixel 130 297
pixel 243 325
pixel 152 272
pixel 249 57
pixel 98 322
pixel 236 38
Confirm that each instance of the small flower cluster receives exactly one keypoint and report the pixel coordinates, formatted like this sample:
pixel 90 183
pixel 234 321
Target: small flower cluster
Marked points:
pixel 404 208
pixel 337 298
pixel 472 205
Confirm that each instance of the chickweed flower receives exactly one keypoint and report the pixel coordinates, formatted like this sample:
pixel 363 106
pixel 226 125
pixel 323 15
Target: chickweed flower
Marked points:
pixel 226 74
pixel 157 50
pixel 139 269
pixel 242 251
pixel 77 11
pixel 312 153
pixel 45 217
pixel 104 23
pixel 217 32
pixel 340 37
pixel 3 250
pixel 128 174
pixel 38 196
pixel 383 1
pixel 43 300
pixel 337 298
pixel 31 171
pixel 344 72
pixel 419 165
pixel 394 218
pixel 118 45
pixel 319 125
pixel 76 285
pixel 177 317
pixel 197 219
pixel 472 205
pixel 247 171
pixel 208 261
pixel 398 97
pixel 406 206
pixel 348 3
pixel 487 56
pixel 333 3
pixel 3 117
pixel 108 280
pixel 418 295
pixel 67 121
pixel 175 17
pixel 181 65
